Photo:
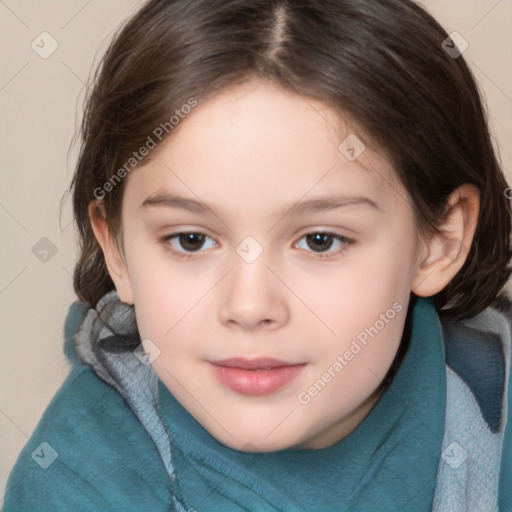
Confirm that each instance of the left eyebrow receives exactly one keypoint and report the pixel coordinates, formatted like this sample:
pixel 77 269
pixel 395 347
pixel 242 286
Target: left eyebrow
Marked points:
pixel 328 203
pixel 298 208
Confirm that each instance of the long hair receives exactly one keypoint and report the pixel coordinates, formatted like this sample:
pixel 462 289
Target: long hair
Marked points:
pixel 379 62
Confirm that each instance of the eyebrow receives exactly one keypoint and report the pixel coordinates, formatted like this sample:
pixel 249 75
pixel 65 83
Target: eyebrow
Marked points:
pixel 297 208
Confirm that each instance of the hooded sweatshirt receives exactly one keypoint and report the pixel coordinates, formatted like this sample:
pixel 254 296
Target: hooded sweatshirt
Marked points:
pixel 115 438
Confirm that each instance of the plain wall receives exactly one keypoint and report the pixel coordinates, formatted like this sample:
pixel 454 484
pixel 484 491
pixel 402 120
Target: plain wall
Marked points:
pixel 40 102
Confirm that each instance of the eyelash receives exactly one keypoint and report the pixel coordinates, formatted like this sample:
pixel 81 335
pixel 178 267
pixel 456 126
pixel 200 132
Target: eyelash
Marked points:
pixel 347 242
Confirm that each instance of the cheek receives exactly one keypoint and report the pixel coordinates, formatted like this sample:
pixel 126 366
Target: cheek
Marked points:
pixel 164 308
pixel 364 307
pixel 163 295
pixel 358 291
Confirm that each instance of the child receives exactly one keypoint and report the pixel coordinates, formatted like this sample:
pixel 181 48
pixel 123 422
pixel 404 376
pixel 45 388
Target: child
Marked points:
pixel 293 236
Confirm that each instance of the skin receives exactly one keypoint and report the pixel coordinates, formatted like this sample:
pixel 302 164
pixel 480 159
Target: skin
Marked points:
pixel 251 153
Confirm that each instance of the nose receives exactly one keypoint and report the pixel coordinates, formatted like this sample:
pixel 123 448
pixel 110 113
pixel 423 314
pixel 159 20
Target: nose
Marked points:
pixel 253 297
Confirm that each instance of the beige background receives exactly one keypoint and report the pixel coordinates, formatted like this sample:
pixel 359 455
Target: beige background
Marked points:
pixel 40 103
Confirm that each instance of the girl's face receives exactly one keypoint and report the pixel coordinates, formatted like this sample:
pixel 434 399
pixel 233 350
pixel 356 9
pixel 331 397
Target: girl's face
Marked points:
pixel 270 268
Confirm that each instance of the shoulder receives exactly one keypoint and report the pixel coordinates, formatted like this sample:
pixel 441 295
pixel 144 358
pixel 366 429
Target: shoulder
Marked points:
pixel 476 462
pixel 87 451
pixel 478 351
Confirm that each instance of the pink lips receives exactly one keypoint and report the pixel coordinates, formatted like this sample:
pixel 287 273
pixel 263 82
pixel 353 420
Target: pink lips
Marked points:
pixel 255 376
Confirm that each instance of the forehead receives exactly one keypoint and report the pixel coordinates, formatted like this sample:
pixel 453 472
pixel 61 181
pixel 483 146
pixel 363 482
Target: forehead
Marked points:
pixel 262 144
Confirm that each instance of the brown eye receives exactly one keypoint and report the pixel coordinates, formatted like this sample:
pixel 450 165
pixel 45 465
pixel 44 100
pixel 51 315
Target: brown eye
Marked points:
pixel 319 242
pixel 187 243
pixel 191 241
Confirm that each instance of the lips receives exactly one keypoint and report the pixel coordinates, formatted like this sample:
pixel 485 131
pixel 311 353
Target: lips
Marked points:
pixel 255 376
pixel 252 364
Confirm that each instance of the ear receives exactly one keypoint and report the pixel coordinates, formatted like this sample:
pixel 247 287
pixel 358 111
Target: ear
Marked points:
pixel 113 258
pixel 446 251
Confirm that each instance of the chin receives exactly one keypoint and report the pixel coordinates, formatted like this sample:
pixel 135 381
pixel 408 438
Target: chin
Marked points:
pixel 258 439
pixel 255 445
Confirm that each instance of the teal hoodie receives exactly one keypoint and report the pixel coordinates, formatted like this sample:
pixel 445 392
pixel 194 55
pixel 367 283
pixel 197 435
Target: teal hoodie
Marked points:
pixel 114 437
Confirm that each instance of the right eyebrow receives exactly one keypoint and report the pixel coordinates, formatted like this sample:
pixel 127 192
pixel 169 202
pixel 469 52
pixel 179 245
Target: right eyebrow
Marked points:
pixel 174 201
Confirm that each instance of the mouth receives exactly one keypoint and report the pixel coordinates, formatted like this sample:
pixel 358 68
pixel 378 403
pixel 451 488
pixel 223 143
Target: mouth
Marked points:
pixel 255 377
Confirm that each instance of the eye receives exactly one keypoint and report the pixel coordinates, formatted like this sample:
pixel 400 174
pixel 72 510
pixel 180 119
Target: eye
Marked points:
pixel 183 244
pixel 321 243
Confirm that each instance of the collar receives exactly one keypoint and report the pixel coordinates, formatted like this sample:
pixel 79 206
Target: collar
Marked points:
pixel 388 462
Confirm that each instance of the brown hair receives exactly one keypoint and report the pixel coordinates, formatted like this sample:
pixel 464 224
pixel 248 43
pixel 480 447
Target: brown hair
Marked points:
pixel 380 63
